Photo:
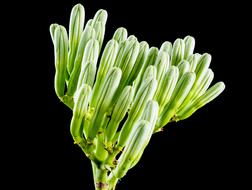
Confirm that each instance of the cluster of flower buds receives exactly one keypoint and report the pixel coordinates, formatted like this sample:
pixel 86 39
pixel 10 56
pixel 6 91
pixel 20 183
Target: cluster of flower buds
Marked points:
pixel 122 94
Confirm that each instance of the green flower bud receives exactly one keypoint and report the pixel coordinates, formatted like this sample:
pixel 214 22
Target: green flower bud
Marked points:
pixel 100 32
pixel 90 55
pixel 205 83
pixel 180 92
pixel 167 86
pixel 208 96
pixel 200 71
pixel 200 90
pixel 100 16
pixel 104 101
pixel 79 111
pixel 87 74
pixel 189 46
pixel 106 64
pixel 144 94
pixel 151 58
pixel 120 35
pixel 139 63
pixel 162 64
pixel 150 72
pixel 138 140
pixel 177 53
pixel 184 67
pixel 76 24
pixel 151 112
pixel 119 112
pixel 193 60
pixel 166 47
pixel 75 69
pixel 60 49
pixel 52 31
pixel 128 59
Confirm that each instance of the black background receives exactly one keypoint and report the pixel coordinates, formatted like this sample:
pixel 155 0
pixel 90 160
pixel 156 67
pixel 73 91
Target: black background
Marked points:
pixel 204 151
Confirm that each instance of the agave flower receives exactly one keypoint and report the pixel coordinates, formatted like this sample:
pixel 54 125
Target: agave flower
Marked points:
pixel 123 94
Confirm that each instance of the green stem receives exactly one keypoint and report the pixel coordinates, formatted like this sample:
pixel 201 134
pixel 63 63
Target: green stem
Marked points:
pixel 101 178
pixel 94 172
pixel 112 181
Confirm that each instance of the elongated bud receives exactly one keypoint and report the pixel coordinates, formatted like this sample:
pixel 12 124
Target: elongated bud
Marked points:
pixel 100 32
pixel 151 58
pixel 193 60
pixel 207 97
pixel 150 72
pixel 104 100
pixel 144 94
pixel 91 52
pixel 79 110
pixel 106 64
pixel 119 112
pixel 177 54
pixel 107 60
pixel 137 143
pixel 128 59
pixel 201 89
pixel 120 35
pixel 162 64
pixel 205 83
pixel 100 16
pixel 189 46
pixel 90 23
pixel 200 71
pixel 60 49
pixel 87 74
pixel 90 55
pixel 151 112
pixel 76 24
pixel 52 31
pixel 120 53
pixel 167 86
pixel 166 47
pixel 128 55
pixel 98 23
pixel 180 92
pixel 139 63
pixel 202 66
pixel 184 67
pixel 75 69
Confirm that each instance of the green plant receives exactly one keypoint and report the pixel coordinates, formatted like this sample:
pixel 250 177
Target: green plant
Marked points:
pixel 131 94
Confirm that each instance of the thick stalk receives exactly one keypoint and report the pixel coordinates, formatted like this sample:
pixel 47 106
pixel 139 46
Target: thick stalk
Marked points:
pixel 101 178
pixel 112 181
